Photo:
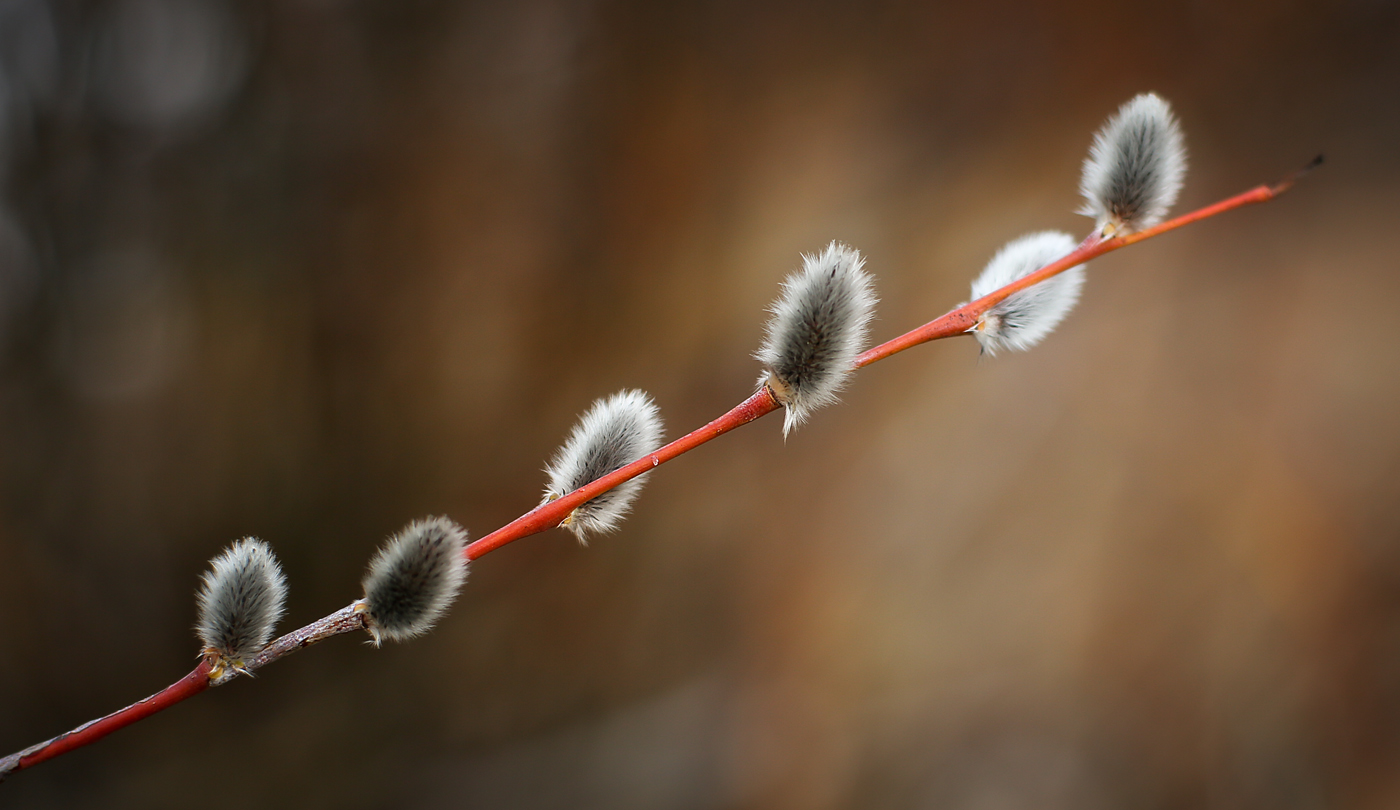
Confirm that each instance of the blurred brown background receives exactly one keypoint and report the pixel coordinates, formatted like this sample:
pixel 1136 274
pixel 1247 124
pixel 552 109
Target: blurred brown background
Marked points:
pixel 307 269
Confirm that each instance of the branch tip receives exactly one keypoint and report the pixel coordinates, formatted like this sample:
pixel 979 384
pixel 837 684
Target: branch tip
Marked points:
pixel 1287 182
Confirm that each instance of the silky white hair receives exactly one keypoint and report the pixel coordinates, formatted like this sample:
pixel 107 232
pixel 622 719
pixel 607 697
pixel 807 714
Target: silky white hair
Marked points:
pixel 613 433
pixel 414 579
pixel 818 328
pixel 1026 317
pixel 240 600
pixel 1135 167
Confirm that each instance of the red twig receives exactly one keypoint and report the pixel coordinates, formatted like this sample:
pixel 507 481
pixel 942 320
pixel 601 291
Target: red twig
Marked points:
pixel 94 730
pixel 549 515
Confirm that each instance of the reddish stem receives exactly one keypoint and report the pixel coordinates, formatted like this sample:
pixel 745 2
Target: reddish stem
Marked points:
pixel 550 514
pixel 187 687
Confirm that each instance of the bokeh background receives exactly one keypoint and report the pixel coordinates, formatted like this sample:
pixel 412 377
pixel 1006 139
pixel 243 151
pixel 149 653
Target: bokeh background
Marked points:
pixel 308 269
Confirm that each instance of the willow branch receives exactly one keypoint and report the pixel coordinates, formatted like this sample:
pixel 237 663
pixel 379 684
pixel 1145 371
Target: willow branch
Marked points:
pixel 549 515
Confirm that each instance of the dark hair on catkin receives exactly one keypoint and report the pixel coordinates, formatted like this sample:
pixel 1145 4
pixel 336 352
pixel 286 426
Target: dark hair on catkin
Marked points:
pixel 413 579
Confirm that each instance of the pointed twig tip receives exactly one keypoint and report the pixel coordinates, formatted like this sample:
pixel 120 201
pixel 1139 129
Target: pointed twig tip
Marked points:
pixel 1287 182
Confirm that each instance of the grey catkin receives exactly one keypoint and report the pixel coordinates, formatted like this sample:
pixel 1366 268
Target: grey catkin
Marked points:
pixel 818 329
pixel 240 600
pixel 613 433
pixel 413 579
pixel 1135 167
pixel 1026 317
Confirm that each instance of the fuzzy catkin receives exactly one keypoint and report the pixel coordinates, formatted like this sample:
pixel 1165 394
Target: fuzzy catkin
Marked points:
pixel 240 600
pixel 1026 317
pixel 1135 167
pixel 413 579
pixel 818 329
pixel 613 433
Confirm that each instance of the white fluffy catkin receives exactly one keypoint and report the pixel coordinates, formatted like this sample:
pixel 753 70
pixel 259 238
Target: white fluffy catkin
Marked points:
pixel 413 579
pixel 1025 318
pixel 818 329
pixel 240 600
pixel 613 433
pixel 1135 167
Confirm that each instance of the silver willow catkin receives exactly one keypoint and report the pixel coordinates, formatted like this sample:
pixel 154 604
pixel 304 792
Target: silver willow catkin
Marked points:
pixel 1135 167
pixel 240 600
pixel 818 329
pixel 1026 317
pixel 413 579
pixel 613 432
